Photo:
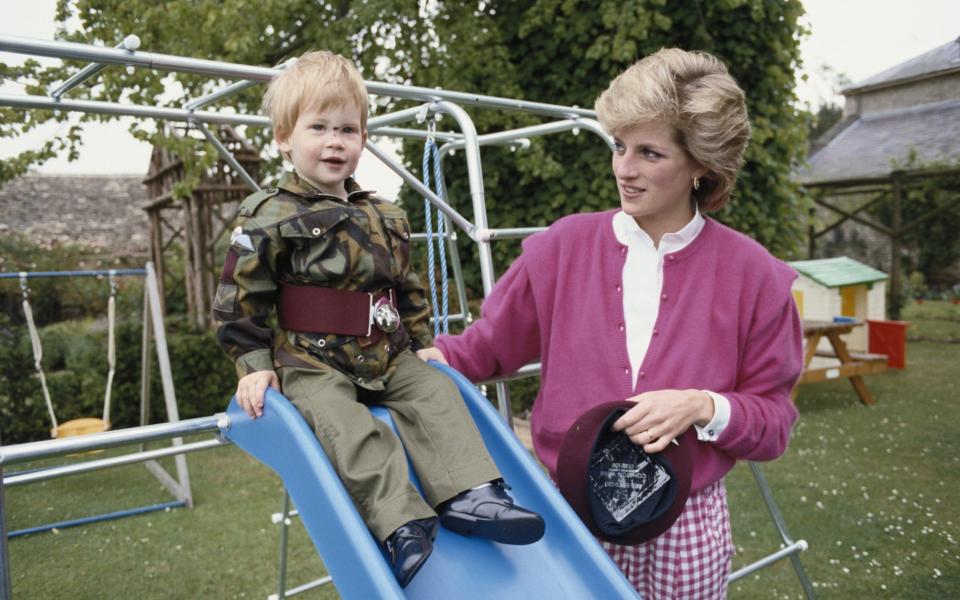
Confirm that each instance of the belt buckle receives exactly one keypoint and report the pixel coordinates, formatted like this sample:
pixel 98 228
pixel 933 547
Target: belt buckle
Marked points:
pixel 384 315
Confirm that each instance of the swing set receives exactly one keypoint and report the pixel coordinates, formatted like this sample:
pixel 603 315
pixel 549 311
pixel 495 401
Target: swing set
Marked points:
pixel 83 425
pixel 153 330
pixel 432 103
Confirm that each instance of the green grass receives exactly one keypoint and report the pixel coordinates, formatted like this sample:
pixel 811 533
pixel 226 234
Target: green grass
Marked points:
pixel 225 547
pixel 872 489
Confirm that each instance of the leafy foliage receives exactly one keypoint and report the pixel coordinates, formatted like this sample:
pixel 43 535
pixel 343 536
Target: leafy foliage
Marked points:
pixel 75 364
pixel 71 317
pixel 557 51
pixel 931 202
pixel 264 33
pixel 566 52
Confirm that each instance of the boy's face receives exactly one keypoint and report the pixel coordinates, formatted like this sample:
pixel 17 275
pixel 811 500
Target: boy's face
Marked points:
pixel 325 146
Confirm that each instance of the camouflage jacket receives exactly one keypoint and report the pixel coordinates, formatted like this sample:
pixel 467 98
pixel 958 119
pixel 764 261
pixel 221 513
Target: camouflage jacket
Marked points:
pixel 297 235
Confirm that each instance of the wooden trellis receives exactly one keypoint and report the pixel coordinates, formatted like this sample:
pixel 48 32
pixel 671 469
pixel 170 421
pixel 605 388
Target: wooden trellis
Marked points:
pixel 197 221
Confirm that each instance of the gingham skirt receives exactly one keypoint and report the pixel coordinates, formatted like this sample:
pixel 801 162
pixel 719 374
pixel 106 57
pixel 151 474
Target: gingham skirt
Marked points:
pixel 691 560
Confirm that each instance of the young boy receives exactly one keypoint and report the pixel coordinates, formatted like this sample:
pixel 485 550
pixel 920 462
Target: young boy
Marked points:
pixel 333 261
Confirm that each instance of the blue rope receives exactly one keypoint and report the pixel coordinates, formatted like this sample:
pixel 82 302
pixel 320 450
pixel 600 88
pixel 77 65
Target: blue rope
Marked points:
pixel 441 322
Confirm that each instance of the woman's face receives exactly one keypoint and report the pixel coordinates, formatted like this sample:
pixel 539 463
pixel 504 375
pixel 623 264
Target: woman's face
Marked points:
pixel 655 177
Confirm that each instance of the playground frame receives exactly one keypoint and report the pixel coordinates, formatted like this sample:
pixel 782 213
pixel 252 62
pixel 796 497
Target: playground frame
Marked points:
pixel 433 102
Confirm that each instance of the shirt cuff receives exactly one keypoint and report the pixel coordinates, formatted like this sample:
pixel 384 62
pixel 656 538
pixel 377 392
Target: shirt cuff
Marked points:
pixel 721 417
pixel 256 360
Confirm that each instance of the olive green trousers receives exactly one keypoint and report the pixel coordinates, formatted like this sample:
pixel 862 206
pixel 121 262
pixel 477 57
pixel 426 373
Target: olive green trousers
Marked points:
pixel 438 434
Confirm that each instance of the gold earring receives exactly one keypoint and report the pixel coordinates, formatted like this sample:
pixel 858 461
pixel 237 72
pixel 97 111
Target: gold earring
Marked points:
pixel 696 183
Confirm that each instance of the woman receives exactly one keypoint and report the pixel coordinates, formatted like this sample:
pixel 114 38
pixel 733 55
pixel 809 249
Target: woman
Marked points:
pixel 655 303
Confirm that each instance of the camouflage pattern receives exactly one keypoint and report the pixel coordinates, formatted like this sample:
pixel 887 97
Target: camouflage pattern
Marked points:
pixel 297 235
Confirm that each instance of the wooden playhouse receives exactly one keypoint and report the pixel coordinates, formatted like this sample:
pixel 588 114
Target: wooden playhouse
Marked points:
pixel 841 287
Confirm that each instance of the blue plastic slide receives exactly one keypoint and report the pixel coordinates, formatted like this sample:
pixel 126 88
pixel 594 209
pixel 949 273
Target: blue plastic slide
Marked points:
pixel 566 563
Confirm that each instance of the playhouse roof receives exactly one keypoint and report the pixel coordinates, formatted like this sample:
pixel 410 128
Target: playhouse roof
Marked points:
pixel 837 272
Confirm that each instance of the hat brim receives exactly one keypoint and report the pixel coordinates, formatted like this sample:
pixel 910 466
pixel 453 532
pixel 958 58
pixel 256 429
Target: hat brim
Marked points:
pixel 572 471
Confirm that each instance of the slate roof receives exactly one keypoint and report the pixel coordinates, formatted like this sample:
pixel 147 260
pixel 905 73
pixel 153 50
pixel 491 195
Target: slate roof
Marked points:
pixel 103 212
pixel 837 272
pixel 940 60
pixel 867 145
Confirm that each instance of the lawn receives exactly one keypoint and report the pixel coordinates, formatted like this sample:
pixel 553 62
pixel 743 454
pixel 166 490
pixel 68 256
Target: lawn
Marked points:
pixel 869 488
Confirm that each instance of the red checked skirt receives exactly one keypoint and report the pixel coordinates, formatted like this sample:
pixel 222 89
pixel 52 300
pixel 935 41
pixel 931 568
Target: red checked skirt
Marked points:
pixel 691 560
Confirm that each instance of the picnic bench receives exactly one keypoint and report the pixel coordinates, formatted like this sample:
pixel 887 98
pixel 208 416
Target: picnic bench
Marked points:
pixel 853 365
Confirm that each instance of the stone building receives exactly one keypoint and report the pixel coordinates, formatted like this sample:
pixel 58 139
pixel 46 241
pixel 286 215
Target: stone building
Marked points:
pixel 899 128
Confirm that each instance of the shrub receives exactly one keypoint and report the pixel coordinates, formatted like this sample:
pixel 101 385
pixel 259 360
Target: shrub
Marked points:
pixel 75 364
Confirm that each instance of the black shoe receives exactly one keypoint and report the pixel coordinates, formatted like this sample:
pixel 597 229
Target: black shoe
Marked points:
pixel 489 512
pixel 410 546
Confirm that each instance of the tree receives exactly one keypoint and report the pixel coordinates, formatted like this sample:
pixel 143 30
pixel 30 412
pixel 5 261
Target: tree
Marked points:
pixel 826 116
pixel 567 51
pixel 558 51
pixel 263 33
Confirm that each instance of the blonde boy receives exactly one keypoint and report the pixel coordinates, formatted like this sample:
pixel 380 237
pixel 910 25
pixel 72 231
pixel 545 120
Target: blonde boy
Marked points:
pixel 333 262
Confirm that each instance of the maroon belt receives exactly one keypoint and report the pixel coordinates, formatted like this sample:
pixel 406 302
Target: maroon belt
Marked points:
pixel 316 309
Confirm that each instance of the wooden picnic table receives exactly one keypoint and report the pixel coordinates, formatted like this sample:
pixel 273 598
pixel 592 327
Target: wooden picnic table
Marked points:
pixel 852 364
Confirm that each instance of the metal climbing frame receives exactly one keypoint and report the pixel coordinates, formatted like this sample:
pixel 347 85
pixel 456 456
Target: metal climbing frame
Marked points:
pixel 433 102
pixel 22 453
pixel 153 334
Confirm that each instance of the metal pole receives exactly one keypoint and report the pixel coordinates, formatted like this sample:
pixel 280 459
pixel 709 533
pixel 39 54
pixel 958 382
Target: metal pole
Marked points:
pixel 284 530
pixel 20 453
pixel 420 134
pixel 228 156
pixel 231 89
pixel 417 185
pixel 14 479
pixel 513 232
pixel 766 561
pixel 454 253
pixel 167 62
pixel 513 135
pixel 6 587
pixel 475 180
pixel 169 397
pixel 399 116
pixel 781 526
pixel 99 273
pixel 129 43
pixel 132 110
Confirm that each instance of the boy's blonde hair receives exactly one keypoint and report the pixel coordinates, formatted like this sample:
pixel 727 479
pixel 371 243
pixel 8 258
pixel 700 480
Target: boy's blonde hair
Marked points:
pixel 693 93
pixel 318 80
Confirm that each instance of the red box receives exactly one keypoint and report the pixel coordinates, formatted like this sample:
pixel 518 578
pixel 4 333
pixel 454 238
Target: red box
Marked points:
pixel 890 338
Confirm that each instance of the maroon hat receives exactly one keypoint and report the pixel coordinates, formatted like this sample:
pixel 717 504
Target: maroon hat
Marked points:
pixel 621 493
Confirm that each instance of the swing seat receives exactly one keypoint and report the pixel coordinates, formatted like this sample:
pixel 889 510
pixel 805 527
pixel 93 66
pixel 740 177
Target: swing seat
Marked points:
pixel 84 426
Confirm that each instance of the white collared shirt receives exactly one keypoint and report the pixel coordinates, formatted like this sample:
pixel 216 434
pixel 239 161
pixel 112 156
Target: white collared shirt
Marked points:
pixel 642 284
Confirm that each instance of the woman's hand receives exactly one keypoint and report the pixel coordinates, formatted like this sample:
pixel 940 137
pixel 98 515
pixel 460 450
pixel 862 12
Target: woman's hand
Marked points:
pixel 251 389
pixel 662 415
pixel 432 353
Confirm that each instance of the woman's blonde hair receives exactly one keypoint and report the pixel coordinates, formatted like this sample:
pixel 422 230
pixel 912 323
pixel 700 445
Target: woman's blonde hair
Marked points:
pixel 693 93
pixel 318 80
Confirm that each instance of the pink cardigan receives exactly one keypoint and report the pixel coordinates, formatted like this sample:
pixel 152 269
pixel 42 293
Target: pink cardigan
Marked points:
pixel 727 323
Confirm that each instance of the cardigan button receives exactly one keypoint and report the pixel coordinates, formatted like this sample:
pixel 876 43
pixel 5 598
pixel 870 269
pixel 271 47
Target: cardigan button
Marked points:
pixel 626 371
pixel 618 288
pixel 671 257
pixel 656 332
pixel 621 327
pixel 643 374
pixel 664 297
